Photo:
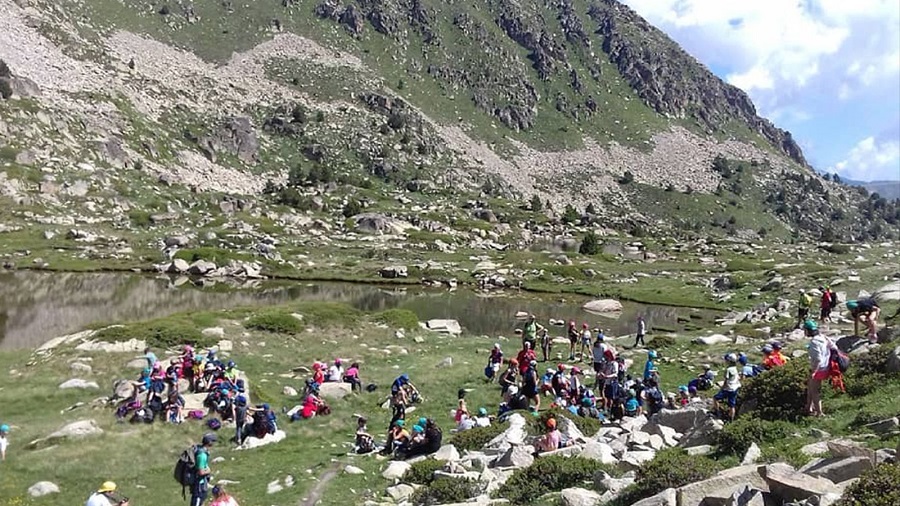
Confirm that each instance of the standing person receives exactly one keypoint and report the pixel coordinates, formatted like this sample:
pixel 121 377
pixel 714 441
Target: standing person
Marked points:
pixel 200 489
pixel 598 352
pixel 575 386
pixel 804 302
pixel 825 304
pixel 574 336
pixel 240 418
pixel 399 398
pixel 530 385
pixel 865 310
pixel 221 497
pixel 530 332
pixel 150 357
pixel 641 331
pixel 106 496
pixel 650 370
pixel 585 343
pixel 546 343
pixel 461 408
pixel 610 379
pixel 525 356
pixel 820 367
pixel 730 386
pixel 495 360
pixel 4 441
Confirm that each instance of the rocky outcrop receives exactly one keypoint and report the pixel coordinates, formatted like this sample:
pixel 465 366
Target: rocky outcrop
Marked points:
pixel 235 137
pixel 675 84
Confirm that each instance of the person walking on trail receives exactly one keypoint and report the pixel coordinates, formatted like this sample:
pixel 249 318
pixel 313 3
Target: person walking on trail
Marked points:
pixel 222 498
pixel 574 336
pixel 585 343
pixel 826 304
pixel 820 367
pixel 730 386
pixel 200 489
pixel 804 302
pixel 106 496
pixel 865 310
pixel 530 332
pixel 641 331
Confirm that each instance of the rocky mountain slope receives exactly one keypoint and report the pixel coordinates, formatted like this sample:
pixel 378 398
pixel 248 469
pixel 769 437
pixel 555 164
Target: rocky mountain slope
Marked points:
pixel 498 123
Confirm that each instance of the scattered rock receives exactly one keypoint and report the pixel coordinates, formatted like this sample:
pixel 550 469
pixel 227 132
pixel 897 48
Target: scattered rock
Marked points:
pixel 451 327
pixel 289 391
pixel 603 306
pixel 400 492
pixel 838 469
pixel 353 470
pixel 75 430
pixel 217 332
pixel 600 452
pixel 517 456
pixel 679 420
pixel 43 488
pixel 335 390
pixel 790 485
pixel 752 456
pixel 79 383
pixel 395 470
pixel 884 426
pixel 722 485
pixel 579 497
pixel 667 497
pixel 79 367
pixel 447 453
pixel 178 266
pixel 394 271
pixel 713 339
pixel 847 448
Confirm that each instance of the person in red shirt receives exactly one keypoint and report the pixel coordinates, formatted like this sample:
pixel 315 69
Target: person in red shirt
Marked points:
pixel 826 304
pixel 525 356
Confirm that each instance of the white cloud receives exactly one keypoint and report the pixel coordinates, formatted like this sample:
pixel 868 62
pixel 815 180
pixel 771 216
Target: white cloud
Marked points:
pixel 871 160
pixel 778 46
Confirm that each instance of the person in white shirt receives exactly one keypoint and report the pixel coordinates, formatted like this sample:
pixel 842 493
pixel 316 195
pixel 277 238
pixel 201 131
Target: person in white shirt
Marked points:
pixel 820 367
pixel 336 372
pixel 106 496
pixel 482 420
pixel 4 441
pixel 730 386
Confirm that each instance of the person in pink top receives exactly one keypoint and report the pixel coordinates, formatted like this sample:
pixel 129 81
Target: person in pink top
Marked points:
pixel 551 440
pixel 351 376
pixel 222 498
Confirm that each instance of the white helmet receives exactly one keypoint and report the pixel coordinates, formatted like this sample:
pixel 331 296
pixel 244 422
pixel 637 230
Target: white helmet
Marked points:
pixel 513 390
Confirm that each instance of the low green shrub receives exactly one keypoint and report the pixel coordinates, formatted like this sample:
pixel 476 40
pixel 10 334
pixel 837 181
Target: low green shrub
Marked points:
pixel 328 313
pixel 422 472
pixel 663 341
pixel 877 487
pixel 157 334
pixel 398 319
pixel 867 372
pixel 737 437
pixel 279 322
pixel 475 439
pixel 140 218
pixel 444 491
pixel 671 468
pixel 778 394
pixel 550 474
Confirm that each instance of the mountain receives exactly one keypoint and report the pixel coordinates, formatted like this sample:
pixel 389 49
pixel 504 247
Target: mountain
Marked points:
pixel 887 189
pixel 485 124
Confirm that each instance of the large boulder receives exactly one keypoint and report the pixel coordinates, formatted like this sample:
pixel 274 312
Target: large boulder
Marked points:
pixel 669 435
pixel 633 460
pixel 254 442
pixel 451 327
pixel 447 453
pixel 600 452
pixel 373 223
pixel 395 470
pixel 75 430
pixel 837 469
pixel 400 492
pixel 603 306
pixel 888 292
pixel 579 497
pixel 513 435
pixel 790 485
pixel 201 268
pixel 335 390
pixel 703 434
pixel 43 488
pixel 667 497
pixel 178 266
pixel 394 271
pixel 713 339
pixel 722 485
pixel 748 496
pixel 848 448
pixel 517 456
pixel 79 383
pixel 681 420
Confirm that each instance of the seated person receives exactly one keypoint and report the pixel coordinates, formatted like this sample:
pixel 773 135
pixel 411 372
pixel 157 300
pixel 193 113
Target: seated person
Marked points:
pixel 175 407
pixel 351 376
pixel 365 443
pixel 551 440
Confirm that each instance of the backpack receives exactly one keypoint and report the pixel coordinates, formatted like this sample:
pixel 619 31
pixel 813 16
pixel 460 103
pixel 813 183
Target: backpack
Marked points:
pixel 186 469
pixel 843 361
pixel 834 300
pixel 364 444
pixel 214 424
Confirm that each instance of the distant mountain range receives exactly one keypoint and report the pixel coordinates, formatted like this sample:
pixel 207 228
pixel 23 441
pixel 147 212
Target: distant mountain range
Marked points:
pixel 887 189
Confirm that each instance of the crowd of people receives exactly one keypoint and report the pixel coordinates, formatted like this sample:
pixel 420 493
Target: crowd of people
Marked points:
pixel 612 394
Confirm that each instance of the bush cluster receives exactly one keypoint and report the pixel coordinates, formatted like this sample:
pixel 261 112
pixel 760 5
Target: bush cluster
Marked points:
pixel 422 472
pixel 737 437
pixel 779 394
pixel 877 487
pixel 549 474
pixel 672 468
pixel 868 372
pixel 398 319
pixel 328 313
pixel 158 334
pixel 445 491
pixel 279 322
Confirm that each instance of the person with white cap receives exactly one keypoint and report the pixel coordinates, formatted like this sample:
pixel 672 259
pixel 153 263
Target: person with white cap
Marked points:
pixel 106 496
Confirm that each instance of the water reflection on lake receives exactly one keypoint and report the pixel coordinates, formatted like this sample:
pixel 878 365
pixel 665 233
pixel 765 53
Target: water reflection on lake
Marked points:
pixel 37 306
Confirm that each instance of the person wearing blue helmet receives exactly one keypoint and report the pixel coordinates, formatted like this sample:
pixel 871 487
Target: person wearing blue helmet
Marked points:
pixel 819 352
pixel 401 389
pixel 650 370
pixel 748 370
pixel 4 441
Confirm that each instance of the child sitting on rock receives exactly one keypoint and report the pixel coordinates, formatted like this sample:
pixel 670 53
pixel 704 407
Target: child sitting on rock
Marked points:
pixel 365 443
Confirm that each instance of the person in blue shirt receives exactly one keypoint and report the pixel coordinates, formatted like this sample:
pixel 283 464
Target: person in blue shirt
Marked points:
pixel 633 405
pixel 747 370
pixel 650 370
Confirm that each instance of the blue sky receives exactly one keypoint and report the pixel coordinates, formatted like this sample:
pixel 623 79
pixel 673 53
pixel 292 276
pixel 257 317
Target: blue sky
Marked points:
pixel 826 70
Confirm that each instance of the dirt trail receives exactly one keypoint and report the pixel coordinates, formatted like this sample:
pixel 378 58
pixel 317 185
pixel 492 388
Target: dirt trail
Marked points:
pixel 316 493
